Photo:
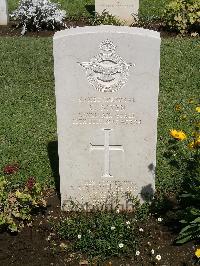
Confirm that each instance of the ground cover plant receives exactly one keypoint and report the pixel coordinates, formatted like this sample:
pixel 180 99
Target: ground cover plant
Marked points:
pixel 100 235
pixel 17 204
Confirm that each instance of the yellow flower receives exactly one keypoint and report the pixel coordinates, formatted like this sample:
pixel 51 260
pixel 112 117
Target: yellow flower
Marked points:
pixel 197 253
pixel 18 194
pixel 177 107
pixel 195 143
pixel 191 145
pixel 179 135
pixel 184 117
pixel 197 124
pixel 198 109
pixel 191 100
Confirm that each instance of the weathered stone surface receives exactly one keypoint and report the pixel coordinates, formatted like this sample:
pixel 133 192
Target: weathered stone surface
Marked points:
pixel 107 83
pixel 3 12
pixel 125 10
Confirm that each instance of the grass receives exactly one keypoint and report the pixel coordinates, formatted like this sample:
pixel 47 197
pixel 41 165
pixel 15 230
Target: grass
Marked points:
pixel 28 120
pixel 77 8
pixel 153 8
pixel 179 79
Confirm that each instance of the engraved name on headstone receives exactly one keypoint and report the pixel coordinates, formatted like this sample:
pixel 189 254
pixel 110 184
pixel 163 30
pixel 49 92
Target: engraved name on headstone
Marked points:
pixel 107 83
pixel 3 12
pixel 125 10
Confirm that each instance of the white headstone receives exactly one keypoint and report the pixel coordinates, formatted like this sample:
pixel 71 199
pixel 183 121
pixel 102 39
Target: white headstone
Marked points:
pixel 107 83
pixel 125 10
pixel 3 12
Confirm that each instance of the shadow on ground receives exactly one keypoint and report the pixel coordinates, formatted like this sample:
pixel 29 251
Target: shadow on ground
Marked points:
pixel 54 162
pixel 90 9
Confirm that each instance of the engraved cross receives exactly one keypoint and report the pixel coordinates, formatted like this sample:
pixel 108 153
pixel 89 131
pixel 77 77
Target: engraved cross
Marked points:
pixel 107 148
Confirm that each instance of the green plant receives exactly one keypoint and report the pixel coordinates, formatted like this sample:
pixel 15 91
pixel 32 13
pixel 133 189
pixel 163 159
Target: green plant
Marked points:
pixel 100 234
pixel 38 15
pixel 191 198
pixel 182 15
pixel 105 19
pixel 17 205
pixel 191 229
pixel 184 150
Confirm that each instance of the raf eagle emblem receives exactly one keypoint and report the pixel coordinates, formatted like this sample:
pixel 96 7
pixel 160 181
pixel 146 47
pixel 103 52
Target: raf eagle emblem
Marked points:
pixel 107 71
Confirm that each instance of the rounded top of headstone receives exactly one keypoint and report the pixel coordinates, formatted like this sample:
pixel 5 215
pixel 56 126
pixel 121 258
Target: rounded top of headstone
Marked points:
pixel 108 29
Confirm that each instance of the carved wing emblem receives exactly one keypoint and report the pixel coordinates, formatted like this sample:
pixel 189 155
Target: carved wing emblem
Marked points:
pixel 107 71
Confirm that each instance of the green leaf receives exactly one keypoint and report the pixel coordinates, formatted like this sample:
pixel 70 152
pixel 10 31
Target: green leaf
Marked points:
pixel 181 240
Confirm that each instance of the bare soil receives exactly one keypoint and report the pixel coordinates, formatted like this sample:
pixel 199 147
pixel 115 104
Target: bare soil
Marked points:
pixel 12 30
pixel 37 244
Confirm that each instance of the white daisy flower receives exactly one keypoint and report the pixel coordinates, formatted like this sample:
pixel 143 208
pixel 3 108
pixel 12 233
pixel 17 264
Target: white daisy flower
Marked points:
pixel 137 253
pixel 128 222
pixel 112 228
pixel 79 236
pixel 158 257
pixel 63 245
pixel 160 219
pixel 121 245
pixel 141 230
